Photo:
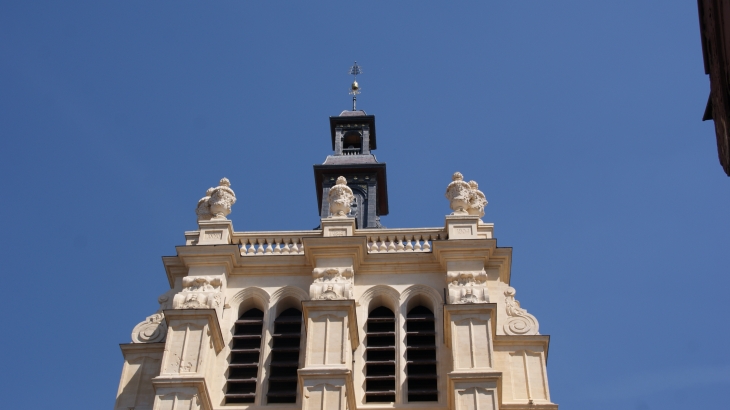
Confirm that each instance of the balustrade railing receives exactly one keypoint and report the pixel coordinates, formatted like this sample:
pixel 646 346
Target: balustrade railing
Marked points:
pixel 402 240
pixel 272 243
pixel 378 241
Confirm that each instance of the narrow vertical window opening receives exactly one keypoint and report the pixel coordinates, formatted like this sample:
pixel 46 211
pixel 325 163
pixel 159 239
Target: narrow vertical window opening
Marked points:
pixel 285 357
pixel 421 355
pixel 245 353
pixel 380 356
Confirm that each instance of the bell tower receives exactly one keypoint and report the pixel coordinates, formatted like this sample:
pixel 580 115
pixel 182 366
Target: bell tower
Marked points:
pixel 353 140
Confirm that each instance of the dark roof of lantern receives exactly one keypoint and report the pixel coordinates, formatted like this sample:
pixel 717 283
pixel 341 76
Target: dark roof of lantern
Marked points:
pixel 350 159
pixel 353 117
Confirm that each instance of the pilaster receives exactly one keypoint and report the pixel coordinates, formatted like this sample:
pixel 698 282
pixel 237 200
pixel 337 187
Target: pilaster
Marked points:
pixel 141 364
pixel 332 335
pixel 469 331
pixel 194 338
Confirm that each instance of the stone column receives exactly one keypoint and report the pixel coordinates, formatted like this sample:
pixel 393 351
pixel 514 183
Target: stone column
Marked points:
pixel 193 340
pixel 326 378
pixel 469 330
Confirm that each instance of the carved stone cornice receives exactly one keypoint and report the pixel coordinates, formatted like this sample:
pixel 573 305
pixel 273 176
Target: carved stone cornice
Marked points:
pixel 352 247
pixel 227 256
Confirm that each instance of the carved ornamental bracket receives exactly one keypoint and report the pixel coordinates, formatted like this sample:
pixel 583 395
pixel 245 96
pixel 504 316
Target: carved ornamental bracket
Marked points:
pixel 200 292
pixel 154 328
pixel 467 287
pixel 332 283
pixel 520 322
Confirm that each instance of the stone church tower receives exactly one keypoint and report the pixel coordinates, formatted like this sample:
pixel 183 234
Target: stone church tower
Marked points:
pixel 341 317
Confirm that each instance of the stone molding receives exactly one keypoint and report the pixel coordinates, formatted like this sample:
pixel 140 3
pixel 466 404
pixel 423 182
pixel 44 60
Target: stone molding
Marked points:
pixel 520 322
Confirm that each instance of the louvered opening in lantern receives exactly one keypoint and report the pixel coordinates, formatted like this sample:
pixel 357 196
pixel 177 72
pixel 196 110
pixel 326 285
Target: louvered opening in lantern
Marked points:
pixel 380 356
pixel 285 357
pixel 421 355
pixel 243 368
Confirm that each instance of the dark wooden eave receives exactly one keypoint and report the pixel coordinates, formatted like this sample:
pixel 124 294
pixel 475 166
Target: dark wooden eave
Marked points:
pixel 715 34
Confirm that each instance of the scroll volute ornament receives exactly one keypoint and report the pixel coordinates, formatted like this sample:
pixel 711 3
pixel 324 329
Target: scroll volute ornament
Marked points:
pixel 340 198
pixel 520 322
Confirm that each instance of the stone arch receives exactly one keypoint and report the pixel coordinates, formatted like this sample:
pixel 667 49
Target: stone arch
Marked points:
pixel 248 298
pixel 287 297
pixel 421 294
pixel 386 295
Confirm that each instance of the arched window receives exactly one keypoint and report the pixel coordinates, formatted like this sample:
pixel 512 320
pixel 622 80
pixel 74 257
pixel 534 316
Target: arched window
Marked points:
pixel 421 355
pixel 244 365
pixel 352 143
pixel 380 356
pixel 285 357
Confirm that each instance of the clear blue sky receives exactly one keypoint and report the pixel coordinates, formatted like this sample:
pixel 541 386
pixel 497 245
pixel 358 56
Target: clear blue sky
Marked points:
pixel 580 121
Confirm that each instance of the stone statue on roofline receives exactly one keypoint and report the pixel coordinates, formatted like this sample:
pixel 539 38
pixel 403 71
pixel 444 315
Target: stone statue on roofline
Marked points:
pixel 340 198
pixel 217 202
pixel 465 198
pixel 477 200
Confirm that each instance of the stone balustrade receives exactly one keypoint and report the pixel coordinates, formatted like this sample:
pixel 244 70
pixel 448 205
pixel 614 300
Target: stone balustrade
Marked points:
pixel 378 241
pixel 272 243
pixel 401 240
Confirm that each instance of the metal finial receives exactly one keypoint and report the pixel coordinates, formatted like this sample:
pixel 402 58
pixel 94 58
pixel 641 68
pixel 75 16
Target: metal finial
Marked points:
pixel 355 70
pixel 355 87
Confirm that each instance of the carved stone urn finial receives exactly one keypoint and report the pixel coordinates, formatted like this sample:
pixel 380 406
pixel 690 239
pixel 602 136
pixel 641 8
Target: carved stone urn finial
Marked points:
pixel 477 200
pixel 458 193
pixel 340 198
pixel 203 209
pixel 221 200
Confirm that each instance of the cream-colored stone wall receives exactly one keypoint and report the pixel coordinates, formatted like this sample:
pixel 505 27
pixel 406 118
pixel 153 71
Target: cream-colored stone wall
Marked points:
pixel 489 351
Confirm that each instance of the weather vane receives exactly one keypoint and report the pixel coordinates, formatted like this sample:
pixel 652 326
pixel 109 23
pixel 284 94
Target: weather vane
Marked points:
pixel 355 87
